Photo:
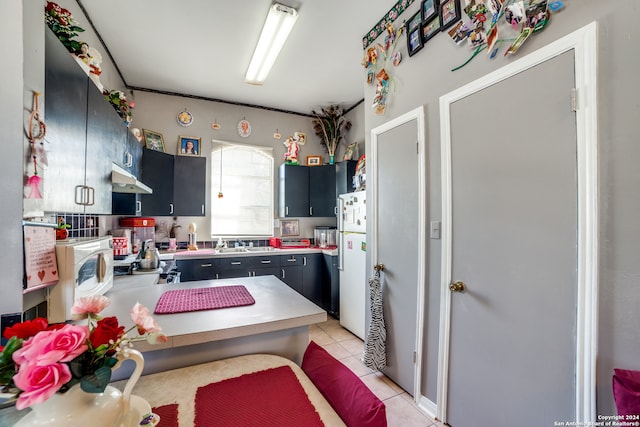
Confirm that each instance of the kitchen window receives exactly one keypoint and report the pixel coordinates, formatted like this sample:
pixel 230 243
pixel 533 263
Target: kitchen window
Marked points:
pixel 241 190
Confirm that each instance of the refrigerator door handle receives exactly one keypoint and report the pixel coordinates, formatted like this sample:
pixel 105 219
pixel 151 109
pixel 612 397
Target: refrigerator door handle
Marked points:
pixel 340 251
pixel 340 214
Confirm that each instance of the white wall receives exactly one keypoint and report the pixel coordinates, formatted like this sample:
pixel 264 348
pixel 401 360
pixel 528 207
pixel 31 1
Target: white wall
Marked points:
pixel 11 161
pixel 423 78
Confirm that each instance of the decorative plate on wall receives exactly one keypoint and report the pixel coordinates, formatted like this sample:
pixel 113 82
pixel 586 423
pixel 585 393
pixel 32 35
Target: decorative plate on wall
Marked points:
pixel 185 118
pixel 244 128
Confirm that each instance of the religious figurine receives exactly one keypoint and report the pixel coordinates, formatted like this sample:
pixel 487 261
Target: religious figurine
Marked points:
pixel 291 156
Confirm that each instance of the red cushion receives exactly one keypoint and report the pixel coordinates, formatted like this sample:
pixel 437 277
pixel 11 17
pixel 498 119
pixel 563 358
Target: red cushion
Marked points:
pixel 626 391
pixel 349 397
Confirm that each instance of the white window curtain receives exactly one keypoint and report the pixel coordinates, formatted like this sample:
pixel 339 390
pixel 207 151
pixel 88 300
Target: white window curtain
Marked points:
pixel 243 176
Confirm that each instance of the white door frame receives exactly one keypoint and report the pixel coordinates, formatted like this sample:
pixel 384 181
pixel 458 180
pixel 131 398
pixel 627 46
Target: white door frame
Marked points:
pixel 372 165
pixel 584 44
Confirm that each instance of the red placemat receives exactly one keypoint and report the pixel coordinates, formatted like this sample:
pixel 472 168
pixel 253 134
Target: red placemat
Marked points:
pixel 168 415
pixel 269 398
pixel 182 300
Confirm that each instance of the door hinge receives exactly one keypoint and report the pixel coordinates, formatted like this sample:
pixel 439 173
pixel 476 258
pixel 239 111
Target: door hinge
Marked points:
pixel 574 99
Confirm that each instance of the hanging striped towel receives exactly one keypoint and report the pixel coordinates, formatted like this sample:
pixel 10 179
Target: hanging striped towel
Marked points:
pixel 375 349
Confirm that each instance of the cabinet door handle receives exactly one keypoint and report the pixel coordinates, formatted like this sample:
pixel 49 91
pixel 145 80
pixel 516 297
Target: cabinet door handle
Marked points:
pixel 206 265
pixel 84 195
pixel 286 211
pixel 217 276
pixel 90 196
pixel 79 197
pixel 171 208
pixel 202 209
pixel 335 210
pixel 236 263
pixel 310 210
pixel 128 159
pixel 138 206
pixel 304 260
pixel 282 273
pixel 292 259
pixel 265 262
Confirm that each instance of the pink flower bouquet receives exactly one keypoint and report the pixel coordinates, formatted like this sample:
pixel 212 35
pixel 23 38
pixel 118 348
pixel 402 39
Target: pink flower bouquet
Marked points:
pixel 41 359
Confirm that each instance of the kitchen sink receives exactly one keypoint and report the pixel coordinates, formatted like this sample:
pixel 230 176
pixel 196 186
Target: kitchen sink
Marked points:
pixel 231 250
pixel 261 249
pixel 246 249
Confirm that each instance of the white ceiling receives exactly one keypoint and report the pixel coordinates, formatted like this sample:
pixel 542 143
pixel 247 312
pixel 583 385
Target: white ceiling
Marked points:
pixel 203 47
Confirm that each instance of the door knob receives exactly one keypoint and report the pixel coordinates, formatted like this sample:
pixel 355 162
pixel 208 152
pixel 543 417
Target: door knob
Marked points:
pixel 457 286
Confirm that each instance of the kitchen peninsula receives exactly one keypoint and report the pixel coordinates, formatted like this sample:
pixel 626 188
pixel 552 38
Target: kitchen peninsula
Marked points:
pixel 277 323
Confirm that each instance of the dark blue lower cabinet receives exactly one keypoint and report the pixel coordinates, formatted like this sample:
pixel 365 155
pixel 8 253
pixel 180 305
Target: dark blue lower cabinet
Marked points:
pixel 331 285
pixel 312 278
pixel 198 269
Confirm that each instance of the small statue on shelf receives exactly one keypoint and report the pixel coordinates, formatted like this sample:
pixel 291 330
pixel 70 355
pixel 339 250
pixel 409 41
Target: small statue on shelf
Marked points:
pixel 291 156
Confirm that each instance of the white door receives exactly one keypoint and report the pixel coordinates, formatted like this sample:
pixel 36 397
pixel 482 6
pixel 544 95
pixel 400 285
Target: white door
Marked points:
pixel 515 249
pixel 353 282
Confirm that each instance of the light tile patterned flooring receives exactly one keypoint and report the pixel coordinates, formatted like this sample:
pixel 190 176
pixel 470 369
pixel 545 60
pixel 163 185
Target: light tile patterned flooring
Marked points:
pixel 346 347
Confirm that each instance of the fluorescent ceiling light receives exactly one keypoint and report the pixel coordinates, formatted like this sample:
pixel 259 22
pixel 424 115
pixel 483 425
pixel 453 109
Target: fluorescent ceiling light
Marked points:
pixel 277 27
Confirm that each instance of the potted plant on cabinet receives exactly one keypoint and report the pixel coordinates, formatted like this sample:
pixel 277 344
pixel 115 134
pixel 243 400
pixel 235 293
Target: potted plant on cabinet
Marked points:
pixel 329 124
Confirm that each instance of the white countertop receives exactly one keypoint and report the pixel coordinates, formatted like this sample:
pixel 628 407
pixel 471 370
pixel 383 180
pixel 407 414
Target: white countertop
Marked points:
pixel 277 307
pixel 137 280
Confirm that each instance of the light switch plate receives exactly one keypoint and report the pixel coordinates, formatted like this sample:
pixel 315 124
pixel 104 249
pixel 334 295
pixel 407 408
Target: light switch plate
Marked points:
pixel 435 229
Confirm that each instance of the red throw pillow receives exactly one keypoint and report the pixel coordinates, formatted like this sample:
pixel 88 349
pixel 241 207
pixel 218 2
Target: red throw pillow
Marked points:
pixel 626 391
pixel 345 392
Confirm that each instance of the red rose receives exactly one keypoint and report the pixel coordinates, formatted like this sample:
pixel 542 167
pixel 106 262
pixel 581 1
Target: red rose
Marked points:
pixel 26 329
pixel 53 6
pixel 106 330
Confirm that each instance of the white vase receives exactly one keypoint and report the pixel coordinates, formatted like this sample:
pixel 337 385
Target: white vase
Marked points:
pixel 112 408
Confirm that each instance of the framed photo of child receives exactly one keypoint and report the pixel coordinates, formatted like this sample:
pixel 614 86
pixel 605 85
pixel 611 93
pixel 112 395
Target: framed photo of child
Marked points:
pixel 189 146
pixel 153 140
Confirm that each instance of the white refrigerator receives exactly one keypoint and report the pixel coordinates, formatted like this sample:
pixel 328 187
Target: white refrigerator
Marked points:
pixel 352 250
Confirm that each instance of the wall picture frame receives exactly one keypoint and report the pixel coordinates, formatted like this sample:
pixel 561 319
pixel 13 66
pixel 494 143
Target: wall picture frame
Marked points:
pixel 450 13
pixel 314 160
pixel 430 28
pixel 429 9
pixel 289 227
pixel 153 140
pixel 414 41
pixel 414 22
pixel 189 146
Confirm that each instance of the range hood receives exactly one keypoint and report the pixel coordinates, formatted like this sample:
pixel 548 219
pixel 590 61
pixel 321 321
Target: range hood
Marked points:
pixel 123 182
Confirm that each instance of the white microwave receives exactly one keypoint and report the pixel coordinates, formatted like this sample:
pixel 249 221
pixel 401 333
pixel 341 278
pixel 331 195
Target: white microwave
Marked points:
pixel 85 268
